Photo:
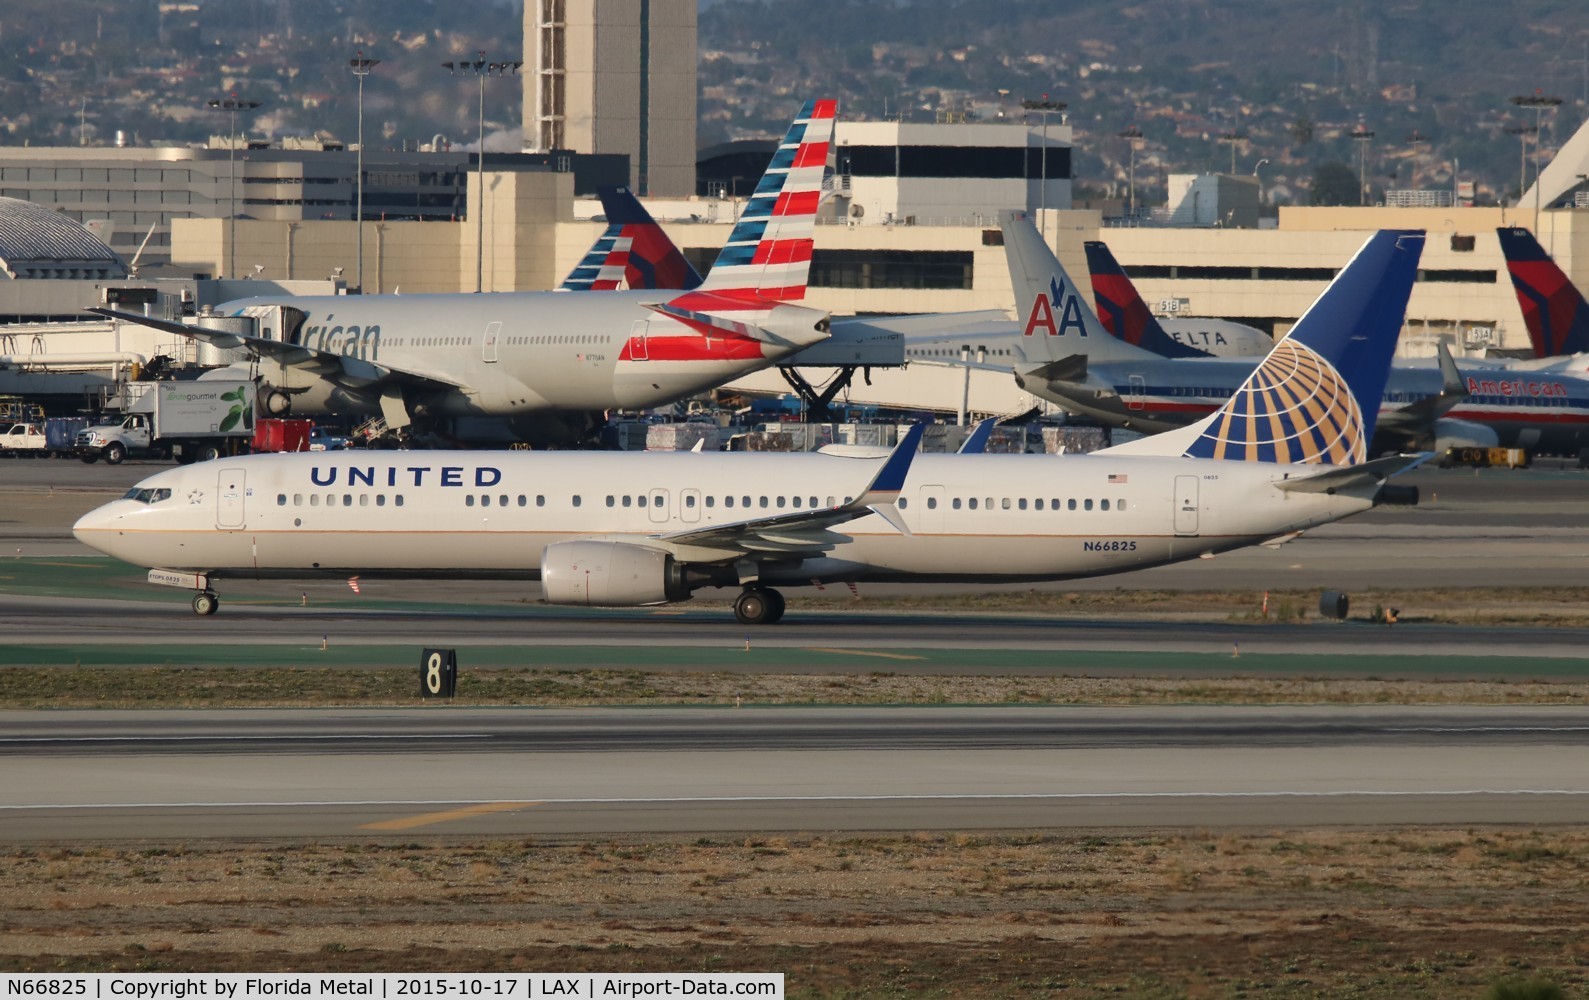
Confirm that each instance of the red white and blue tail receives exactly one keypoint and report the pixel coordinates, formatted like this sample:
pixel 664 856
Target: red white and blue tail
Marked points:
pixel 768 255
pixel 632 252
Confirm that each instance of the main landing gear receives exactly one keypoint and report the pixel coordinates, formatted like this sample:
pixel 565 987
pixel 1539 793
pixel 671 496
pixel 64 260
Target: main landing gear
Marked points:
pixel 758 606
pixel 206 602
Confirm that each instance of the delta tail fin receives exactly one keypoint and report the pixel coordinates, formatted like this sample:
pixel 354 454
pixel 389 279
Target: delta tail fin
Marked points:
pixel 1122 311
pixel 1554 311
pixel 1315 398
pixel 632 252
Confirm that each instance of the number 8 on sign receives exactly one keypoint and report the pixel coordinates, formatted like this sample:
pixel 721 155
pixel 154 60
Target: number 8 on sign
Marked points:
pixel 438 673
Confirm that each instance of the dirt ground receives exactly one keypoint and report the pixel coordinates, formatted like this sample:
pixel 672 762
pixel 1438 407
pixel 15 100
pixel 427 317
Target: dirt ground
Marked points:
pixel 1328 913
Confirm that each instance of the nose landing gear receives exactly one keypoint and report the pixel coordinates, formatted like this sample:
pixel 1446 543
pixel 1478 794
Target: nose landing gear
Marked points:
pixel 206 602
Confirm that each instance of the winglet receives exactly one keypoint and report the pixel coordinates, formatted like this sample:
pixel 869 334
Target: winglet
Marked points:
pixel 1122 311
pixel 1554 310
pixel 885 487
pixel 977 441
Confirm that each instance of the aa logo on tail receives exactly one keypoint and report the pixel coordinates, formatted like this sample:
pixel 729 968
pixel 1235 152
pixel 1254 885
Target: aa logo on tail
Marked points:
pixel 1061 301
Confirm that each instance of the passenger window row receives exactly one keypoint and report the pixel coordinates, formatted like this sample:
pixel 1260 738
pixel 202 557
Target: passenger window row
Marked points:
pixel 504 500
pixel 1022 503
pixel 337 500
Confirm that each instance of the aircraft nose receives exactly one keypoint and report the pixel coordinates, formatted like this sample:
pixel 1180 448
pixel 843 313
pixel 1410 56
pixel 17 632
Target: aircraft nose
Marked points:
pixel 90 527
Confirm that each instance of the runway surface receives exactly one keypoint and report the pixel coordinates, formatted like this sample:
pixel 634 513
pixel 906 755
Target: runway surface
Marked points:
pixel 70 622
pixel 575 773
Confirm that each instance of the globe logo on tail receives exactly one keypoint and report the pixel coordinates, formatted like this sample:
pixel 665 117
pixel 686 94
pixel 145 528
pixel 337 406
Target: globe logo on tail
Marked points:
pixel 1296 408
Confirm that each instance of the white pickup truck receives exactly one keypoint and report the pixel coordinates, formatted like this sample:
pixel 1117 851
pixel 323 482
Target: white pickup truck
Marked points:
pixel 23 440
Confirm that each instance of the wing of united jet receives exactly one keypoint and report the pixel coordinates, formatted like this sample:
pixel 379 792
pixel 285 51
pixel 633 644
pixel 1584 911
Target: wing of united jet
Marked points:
pixel 800 533
pixel 340 368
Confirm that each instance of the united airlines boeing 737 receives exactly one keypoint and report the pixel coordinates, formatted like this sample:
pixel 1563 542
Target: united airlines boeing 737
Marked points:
pixel 1286 452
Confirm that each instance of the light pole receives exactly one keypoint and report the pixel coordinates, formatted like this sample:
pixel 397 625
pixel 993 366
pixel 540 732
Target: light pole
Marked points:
pixel 1415 139
pixel 1255 177
pixel 361 68
pixel 1538 102
pixel 1522 133
pixel 231 105
pixel 1131 135
pixel 1362 135
pixel 1232 138
pixel 1044 107
pixel 481 68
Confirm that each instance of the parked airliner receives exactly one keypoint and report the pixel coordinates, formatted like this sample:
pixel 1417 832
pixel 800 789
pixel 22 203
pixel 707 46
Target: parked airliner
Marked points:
pixel 1126 315
pixel 1287 452
pixel 521 353
pixel 1073 361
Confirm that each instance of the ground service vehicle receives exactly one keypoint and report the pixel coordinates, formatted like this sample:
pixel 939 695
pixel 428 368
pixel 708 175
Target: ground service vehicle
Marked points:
pixel 188 421
pixel 23 440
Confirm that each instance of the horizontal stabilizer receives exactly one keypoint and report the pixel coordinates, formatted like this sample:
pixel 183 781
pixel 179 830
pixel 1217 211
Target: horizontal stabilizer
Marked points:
pixel 1368 474
pixel 1071 369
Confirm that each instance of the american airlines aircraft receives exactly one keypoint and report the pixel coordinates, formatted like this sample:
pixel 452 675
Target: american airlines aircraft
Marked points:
pixel 533 353
pixel 1285 453
pixel 1071 360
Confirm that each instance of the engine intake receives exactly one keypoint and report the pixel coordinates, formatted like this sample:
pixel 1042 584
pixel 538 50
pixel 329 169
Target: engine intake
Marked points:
pixel 610 575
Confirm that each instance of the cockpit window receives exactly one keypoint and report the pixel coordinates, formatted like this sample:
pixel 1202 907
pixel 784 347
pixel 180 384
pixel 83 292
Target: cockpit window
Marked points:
pixel 147 495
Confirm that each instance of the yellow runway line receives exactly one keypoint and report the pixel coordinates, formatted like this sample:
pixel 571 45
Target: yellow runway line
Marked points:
pixel 426 819
pixel 863 652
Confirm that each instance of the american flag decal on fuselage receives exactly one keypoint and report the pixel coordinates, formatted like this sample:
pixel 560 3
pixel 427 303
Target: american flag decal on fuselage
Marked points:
pixel 1295 408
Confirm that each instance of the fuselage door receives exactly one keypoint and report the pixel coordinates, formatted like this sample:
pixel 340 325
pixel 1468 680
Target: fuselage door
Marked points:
pixel 637 340
pixel 690 505
pixel 230 489
pixel 1186 505
pixel 659 506
pixel 488 345
pixel 929 517
pixel 1136 392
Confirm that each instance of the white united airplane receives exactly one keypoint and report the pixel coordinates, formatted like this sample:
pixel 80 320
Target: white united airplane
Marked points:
pixel 622 529
pixel 535 353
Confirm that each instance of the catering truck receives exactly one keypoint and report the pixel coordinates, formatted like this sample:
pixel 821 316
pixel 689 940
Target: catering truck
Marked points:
pixel 189 421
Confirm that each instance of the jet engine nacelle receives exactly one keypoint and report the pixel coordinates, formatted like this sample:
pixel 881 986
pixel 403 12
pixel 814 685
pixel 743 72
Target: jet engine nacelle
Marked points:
pixel 1453 433
pixel 610 575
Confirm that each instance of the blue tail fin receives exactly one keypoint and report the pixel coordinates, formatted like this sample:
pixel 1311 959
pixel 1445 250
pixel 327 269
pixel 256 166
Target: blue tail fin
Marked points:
pixel 1554 311
pixel 1315 398
pixel 1122 310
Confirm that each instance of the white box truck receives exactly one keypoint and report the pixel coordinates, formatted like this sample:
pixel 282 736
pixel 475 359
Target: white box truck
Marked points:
pixel 189 421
